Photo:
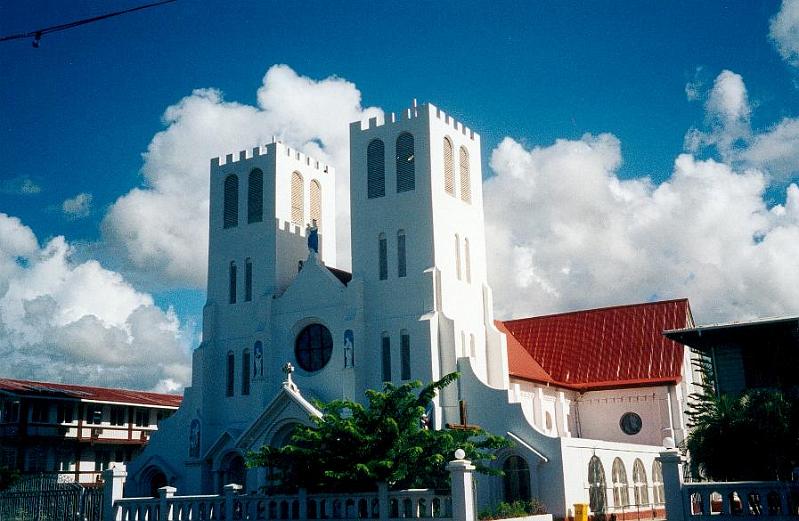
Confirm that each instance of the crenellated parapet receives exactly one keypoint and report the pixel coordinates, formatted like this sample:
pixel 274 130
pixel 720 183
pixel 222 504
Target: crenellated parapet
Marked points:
pixel 411 113
pixel 274 148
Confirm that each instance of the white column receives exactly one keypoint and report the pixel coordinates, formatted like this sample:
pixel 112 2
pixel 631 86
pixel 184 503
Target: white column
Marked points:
pixel 166 493
pixel 460 471
pixel 114 482
pixel 230 491
pixel 672 484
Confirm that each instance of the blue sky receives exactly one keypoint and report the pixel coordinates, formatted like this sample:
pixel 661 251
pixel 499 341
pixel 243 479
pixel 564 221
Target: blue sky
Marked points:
pixel 78 113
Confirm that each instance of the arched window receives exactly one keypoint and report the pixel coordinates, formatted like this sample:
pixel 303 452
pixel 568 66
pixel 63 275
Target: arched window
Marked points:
pixel 596 486
pixel 231 206
pixel 401 265
pixel 316 203
pixel 297 199
pixel 375 169
pixel 516 481
pixel 621 494
pixel 385 342
pixel 405 355
pixel 231 373
pixel 659 495
pixel 232 283
pixel 449 170
pixel 467 260
pixel 640 486
pixel 457 256
pixel 245 372
pixel 248 280
pixel 406 163
pixel 382 247
pixel 466 182
pixel 255 197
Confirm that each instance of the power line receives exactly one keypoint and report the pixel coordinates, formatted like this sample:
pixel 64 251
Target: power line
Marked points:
pixel 37 34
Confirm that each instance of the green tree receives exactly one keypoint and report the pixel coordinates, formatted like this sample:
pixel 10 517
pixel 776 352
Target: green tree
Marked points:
pixel 352 447
pixel 751 436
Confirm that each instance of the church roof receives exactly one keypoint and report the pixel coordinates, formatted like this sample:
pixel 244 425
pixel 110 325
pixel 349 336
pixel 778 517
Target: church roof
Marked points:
pixel 87 393
pixel 600 348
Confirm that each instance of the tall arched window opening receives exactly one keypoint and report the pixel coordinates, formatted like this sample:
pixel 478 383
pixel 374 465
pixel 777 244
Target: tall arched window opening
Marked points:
pixel 231 203
pixel 248 280
pixel 597 494
pixel 382 247
pixel 316 203
pixel 621 493
pixel 231 373
pixel 375 169
pixel 658 494
pixel 449 170
pixel 255 197
pixel 457 256
pixel 406 163
pixel 467 260
pixel 405 355
pixel 516 481
pixel 385 342
pixel 640 486
pixel 402 269
pixel 297 199
pixel 232 283
pixel 466 181
pixel 245 372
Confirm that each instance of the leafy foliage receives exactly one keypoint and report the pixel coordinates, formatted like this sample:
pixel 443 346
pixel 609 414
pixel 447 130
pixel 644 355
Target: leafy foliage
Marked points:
pixel 762 424
pixel 515 509
pixel 352 447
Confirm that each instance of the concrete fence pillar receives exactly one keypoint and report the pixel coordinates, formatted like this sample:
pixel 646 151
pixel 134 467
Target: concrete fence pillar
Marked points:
pixel 230 492
pixel 303 498
pixel 460 472
pixel 671 460
pixel 382 500
pixel 113 484
pixel 166 493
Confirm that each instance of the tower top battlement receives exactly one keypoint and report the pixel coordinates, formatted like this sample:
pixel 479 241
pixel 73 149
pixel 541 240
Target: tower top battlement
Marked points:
pixel 275 147
pixel 410 113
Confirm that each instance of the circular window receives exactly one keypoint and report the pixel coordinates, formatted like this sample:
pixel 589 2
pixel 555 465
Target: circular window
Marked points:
pixel 313 347
pixel 630 423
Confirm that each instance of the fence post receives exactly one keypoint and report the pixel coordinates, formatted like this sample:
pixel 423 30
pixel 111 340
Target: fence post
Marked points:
pixel 303 498
pixel 460 471
pixel 113 483
pixel 166 493
pixel 230 495
pixel 382 500
pixel 672 484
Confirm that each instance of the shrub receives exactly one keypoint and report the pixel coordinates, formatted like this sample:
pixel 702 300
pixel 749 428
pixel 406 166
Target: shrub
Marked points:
pixel 516 509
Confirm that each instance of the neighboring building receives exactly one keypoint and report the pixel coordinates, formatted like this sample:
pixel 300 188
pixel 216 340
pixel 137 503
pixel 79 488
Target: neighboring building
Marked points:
pixel 747 355
pixel 75 431
pixel 589 398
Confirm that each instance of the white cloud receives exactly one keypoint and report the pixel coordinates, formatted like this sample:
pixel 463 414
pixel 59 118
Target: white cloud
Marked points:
pixel 78 206
pixel 78 321
pixel 20 185
pixel 784 31
pixel 564 232
pixel 163 227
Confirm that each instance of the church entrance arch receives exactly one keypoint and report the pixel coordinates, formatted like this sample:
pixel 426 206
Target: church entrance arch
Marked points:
pixel 154 478
pixel 516 481
pixel 232 470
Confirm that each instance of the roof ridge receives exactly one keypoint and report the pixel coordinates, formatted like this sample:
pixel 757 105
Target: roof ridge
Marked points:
pixel 79 386
pixel 605 308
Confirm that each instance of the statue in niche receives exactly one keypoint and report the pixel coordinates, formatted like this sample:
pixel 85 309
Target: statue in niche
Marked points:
pixel 258 360
pixel 349 348
pixel 194 439
pixel 313 237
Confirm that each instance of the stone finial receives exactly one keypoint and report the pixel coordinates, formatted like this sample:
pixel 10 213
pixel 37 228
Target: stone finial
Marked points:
pixel 287 370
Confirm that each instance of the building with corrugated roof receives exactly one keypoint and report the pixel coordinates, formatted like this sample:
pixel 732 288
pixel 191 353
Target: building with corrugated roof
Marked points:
pixel 75 431
pixel 589 398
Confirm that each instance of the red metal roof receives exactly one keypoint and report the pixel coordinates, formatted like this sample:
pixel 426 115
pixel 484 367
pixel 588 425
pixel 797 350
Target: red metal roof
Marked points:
pixel 601 348
pixel 84 392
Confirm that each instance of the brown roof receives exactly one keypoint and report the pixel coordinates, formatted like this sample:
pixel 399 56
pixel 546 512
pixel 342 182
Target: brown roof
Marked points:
pixel 85 392
pixel 600 348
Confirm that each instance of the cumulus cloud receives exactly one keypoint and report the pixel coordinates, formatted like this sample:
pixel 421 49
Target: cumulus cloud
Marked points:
pixel 61 319
pixel 784 31
pixel 78 206
pixel 565 232
pixel 729 132
pixel 20 185
pixel 163 226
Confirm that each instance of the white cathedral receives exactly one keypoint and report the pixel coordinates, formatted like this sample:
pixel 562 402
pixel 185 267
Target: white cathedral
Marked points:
pixel 588 398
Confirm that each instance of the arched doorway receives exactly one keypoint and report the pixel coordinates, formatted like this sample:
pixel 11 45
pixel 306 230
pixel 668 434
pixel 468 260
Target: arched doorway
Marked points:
pixel 232 470
pixel 516 481
pixel 154 478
